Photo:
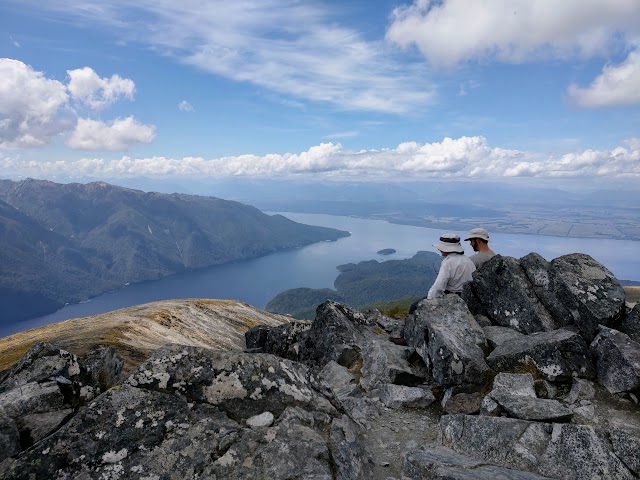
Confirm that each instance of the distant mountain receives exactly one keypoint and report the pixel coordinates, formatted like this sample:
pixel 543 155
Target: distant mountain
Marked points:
pixel 363 284
pixel 67 242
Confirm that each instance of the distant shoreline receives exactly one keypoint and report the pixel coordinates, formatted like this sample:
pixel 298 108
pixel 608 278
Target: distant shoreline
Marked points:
pixel 416 222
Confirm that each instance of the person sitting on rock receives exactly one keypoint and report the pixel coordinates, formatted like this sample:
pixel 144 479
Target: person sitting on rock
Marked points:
pixel 479 240
pixel 455 269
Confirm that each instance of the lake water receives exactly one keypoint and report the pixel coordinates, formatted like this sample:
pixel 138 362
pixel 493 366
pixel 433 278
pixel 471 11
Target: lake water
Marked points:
pixel 258 280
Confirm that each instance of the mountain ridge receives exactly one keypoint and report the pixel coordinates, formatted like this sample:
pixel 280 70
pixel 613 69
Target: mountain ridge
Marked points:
pixel 138 331
pixel 92 238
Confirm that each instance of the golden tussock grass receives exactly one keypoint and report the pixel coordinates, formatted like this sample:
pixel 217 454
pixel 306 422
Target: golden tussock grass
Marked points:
pixel 632 294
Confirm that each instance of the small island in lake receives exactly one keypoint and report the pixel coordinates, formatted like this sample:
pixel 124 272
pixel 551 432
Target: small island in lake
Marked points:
pixel 387 251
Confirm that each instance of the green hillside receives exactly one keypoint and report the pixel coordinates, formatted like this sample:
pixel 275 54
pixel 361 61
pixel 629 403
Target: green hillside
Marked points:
pixel 66 243
pixel 364 284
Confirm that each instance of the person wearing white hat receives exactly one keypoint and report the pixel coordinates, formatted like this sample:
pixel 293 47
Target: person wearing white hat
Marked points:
pixel 479 240
pixel 455 269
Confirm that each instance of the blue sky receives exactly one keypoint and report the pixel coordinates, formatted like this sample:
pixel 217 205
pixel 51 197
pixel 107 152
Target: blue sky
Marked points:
pixel 352 89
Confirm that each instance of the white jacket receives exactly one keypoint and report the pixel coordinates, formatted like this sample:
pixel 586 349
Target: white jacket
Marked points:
pixel 455 271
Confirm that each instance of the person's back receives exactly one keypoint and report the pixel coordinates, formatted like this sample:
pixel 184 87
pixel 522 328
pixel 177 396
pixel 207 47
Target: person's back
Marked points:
pixel 481 258
pixel 455 270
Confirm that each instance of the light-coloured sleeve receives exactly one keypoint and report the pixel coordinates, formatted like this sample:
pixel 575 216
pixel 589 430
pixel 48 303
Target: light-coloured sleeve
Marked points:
pixel 440 285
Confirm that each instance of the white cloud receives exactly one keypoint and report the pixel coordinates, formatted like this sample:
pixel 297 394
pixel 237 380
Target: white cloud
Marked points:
pixel 185 106
pixel 30 106
pixel 33 109
pixel 465 157
pixel 297 49
pixel 449 32
pixel 118 135
pixel 349 134
pixel 85 86
pixel 617 85
pixel 14 41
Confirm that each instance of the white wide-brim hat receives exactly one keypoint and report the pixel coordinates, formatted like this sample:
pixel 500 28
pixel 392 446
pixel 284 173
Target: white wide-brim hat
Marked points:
pixel 478 233
pixel 449 242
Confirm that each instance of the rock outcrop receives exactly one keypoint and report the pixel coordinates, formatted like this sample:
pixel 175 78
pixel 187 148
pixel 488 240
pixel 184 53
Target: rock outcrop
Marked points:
pixel 547 387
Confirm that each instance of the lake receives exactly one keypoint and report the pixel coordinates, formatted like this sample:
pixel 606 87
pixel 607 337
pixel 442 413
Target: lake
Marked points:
pixel 257 281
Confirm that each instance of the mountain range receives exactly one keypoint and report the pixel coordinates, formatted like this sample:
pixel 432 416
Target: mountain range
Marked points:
pixel 64 243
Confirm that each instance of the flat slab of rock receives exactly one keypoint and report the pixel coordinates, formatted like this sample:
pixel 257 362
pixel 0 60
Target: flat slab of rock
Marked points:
pixel 396 396
pixel 497 335
pixel 556 355
pixel 516 395
pixel 446 464
pixel 554 450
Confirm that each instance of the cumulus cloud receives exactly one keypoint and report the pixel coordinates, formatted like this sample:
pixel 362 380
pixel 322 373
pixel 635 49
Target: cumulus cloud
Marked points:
pixel 117 135
pixel 30 106
pixel 34 109
pixel 185 106
pixel 86 86
pixel 513 30
pixel 465 157
pixel 617 85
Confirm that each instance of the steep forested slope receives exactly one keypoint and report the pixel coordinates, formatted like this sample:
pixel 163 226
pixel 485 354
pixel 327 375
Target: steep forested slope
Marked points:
pixel 64 243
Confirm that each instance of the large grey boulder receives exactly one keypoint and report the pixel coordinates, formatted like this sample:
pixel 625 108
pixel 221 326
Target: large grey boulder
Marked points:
pixel 240 384
pixel 347 337
pixel 553 450
pixel 588 290
pixel 626 445
pixel 335 335
pixel 507 297
pixel 557 355
pixel 32 397
pixel 9 438
pixel 130 432
pixel 385 362
pixel 348 451
pixel 283 340
pixel 42 391
pixel 631 323
pixel 44 362
pixel 538 271
pixel 190 412
pixel 447 337
pixel 338 379
pixel 581 451
pixel 618 360
pixel 503 441
pixel 533 295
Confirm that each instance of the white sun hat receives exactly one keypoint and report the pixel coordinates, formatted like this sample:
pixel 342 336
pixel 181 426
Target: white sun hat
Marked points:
pixel 449 242
pixel 478 233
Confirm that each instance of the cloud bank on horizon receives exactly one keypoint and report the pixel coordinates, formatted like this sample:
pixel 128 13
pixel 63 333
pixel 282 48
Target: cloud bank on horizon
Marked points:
pixel 339 64
pixel 466 157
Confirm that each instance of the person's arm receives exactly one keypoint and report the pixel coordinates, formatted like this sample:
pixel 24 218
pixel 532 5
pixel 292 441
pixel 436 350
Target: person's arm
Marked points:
pixel 440 285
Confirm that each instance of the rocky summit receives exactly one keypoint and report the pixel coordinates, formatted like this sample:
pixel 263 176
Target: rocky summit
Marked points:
pixel 533 373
